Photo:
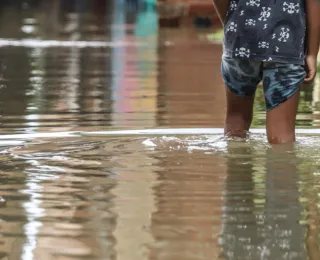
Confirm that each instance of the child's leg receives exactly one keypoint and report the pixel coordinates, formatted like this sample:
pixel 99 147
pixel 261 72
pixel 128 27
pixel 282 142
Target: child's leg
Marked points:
pixel 281 87
pixel 239 114
pixel 281 121
pixel 241 78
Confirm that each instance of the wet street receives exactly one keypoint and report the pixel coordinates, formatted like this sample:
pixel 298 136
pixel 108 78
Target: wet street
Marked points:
pixel 71 68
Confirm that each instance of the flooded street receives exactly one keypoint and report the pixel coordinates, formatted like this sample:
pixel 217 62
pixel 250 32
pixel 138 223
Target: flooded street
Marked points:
pixel 72 69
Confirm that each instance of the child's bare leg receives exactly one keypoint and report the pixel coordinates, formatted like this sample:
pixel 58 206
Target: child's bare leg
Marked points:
pixel 281 84
pixel 239 114
pixel 281 121
pixel 241 78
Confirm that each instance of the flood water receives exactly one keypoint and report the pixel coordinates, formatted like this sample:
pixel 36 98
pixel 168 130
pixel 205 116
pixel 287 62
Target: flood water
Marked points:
pixel 68 68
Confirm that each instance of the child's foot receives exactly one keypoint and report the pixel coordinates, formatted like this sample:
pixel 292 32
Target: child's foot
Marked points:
pixel 237 133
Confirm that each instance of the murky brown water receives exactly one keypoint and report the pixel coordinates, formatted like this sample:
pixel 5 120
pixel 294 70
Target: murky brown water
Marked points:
pixel 133 197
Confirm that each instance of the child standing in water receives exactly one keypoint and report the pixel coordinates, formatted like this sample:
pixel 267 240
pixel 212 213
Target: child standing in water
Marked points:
pixel 276 41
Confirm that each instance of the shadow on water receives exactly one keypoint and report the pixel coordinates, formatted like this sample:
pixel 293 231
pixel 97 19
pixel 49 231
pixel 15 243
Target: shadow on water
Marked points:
pixel 102 65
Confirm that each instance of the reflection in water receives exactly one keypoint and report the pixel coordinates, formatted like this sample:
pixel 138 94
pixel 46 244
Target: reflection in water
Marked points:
pixel 192 197
pixel 262 207
pixel 285 234
pixel 186 223
pixel 97 65
pixel 135 70
pixel 134 200
pixel 67 201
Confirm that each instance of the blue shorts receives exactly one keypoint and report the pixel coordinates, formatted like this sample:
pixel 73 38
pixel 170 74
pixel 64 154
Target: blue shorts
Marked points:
pixel 280 80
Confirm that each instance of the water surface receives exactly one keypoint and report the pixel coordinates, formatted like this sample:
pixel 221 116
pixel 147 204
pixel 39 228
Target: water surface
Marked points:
pixel 89 66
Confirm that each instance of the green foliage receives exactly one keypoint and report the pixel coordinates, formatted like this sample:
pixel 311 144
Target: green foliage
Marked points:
pixel 216 36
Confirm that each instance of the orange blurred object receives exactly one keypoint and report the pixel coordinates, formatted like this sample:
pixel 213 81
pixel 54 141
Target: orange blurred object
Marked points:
pixel 183 12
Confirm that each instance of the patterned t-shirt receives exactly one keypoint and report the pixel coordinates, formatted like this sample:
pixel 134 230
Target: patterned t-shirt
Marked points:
pixel 266 30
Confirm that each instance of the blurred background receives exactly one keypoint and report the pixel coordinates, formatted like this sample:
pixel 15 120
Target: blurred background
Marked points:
pixel 89 64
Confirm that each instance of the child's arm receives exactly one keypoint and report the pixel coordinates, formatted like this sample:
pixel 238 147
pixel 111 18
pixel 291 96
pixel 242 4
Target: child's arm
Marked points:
pixel 221 7
pixel 313 40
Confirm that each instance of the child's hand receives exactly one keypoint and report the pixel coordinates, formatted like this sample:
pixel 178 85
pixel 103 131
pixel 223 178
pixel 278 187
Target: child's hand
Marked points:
pixel 311 68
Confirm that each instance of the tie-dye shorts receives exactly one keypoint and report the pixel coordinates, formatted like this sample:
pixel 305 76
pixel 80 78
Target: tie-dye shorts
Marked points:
pixel 280 80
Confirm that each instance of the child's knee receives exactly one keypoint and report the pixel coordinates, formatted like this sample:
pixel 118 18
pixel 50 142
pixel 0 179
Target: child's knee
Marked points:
pixel 280 137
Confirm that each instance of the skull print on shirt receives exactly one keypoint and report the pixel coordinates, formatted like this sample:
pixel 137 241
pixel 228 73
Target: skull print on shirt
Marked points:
pixel 266 30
